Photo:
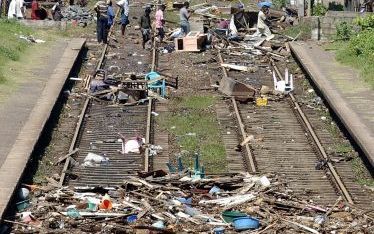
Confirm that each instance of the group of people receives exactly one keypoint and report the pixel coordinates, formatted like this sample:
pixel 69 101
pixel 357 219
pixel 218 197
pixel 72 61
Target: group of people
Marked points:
pixel 17 10
pixel 105 17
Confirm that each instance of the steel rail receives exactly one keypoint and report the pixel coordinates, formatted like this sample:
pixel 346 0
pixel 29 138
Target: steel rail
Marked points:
pixel 148 135
pixel 84 109
pixel 244 134
pixel 316 140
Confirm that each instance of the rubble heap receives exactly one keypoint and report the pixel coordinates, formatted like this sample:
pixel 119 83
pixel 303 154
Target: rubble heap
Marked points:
pixel 175 203
pixel 82 15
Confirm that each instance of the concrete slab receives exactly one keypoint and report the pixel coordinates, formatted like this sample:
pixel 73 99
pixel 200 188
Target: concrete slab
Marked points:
pixel 30 115
pixel 350 97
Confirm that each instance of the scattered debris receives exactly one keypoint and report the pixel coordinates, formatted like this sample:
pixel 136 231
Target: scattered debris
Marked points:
pixel 81 16
pixel 178 202
pixel 31 39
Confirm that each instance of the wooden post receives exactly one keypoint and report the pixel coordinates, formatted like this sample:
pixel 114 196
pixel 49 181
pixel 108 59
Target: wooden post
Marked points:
pixel 300 8
pixel 309 12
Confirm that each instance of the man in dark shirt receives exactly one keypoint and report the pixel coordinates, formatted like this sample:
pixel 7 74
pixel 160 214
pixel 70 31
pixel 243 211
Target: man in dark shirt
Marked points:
pixel 145 26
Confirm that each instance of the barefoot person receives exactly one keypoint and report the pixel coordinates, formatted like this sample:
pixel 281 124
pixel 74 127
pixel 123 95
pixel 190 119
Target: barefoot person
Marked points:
pixel 145 26
pixel 124 5
pixel 160 22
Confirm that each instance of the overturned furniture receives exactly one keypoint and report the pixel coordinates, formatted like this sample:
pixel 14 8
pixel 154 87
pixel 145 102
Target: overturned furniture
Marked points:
pixel 193 42
pixel 128 91
pixel 239 90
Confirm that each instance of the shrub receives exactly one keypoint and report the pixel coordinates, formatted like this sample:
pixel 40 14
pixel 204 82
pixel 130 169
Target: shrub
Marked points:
pixel 362 45
pixel 366 22
pixel 344 31
pixel 319 9
pixel 279 3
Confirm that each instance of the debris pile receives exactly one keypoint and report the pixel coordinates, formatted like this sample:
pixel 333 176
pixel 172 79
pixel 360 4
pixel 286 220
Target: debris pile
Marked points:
pixel 183 202
pixel 81 15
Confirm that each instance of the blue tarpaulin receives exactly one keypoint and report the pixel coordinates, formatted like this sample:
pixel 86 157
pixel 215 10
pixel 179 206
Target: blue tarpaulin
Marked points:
pixel 262 4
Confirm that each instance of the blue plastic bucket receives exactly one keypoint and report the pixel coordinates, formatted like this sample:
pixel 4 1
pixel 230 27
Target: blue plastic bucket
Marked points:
pixel 219 230
pixel 245 223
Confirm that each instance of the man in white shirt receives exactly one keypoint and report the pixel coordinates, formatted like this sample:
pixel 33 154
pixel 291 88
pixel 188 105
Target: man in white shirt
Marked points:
pixel 262 28
pixel 12 9
pixel 124 4
pixel 20 9
pixel 16 9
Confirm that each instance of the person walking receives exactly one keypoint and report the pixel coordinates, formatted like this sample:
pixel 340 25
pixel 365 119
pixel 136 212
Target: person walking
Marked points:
pixel 262 28
pixel 125 9
pixel 101 9
pixel 184 16
pixel 145 26
pixel 160 22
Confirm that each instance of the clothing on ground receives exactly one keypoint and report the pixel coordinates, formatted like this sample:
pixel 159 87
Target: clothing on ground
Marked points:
pixel 159 19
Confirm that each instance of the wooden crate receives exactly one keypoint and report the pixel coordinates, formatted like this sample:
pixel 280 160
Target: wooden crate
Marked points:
pixel 194 41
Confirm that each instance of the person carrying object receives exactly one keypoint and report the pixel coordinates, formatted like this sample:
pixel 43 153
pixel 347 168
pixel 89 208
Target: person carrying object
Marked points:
pixel 101 9
pixel 145 26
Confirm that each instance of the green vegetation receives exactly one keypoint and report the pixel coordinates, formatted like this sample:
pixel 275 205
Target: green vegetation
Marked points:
pixel 360 171
pixel 355 46
pixel 359 53
pixel 366 23
pixel 193 122
pixel 304 29
pixel 344 31
pixel 319 9
pixel 11 47
pixel 278 4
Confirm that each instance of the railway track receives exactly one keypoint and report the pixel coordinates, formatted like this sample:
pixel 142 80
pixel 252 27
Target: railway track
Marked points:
pixel 102 123
pixel 287 144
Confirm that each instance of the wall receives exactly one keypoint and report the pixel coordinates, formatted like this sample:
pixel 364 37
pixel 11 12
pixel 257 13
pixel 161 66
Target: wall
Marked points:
pixel 324 27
